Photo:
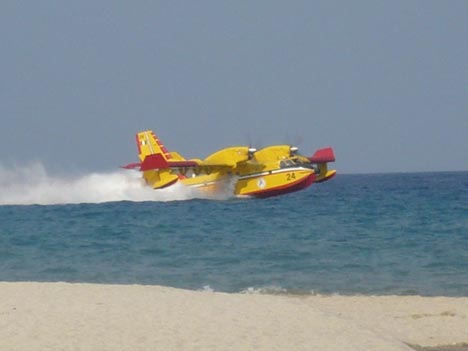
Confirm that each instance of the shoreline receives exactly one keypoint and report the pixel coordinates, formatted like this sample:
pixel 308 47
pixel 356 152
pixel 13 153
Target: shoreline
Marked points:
pixel 69 316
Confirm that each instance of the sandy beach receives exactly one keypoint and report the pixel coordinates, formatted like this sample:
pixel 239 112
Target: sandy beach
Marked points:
pixel 62 316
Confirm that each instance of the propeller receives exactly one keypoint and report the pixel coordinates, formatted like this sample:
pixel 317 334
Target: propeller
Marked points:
pixel 252 150
pixel 254 146
pixel 293 149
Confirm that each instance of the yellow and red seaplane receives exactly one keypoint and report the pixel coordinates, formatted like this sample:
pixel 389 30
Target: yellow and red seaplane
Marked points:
pixel 271 171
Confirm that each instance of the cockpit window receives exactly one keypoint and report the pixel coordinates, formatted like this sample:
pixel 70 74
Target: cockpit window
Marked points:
pixel 287 163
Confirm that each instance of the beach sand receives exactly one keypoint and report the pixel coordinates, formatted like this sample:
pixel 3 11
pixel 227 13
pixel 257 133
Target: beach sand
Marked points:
pixel 63 316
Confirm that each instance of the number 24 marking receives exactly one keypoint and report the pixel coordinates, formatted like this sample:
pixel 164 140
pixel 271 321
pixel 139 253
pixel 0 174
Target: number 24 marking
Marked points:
pixel 290 176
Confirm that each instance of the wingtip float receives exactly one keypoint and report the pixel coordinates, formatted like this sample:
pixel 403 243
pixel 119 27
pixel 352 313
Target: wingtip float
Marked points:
pixel 271 171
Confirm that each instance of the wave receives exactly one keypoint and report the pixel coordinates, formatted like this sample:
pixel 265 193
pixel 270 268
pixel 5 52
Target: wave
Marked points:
pixel 32 184
pixel 271 290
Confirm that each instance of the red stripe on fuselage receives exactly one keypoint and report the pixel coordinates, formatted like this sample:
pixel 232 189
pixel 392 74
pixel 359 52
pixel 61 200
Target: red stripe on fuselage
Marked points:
pixel 284 189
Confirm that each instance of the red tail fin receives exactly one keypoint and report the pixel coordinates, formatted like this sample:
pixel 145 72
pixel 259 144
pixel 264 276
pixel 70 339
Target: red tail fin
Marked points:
pixel 323 155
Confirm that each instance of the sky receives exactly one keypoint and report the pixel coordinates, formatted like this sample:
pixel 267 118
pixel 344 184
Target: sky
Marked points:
pixel 385 83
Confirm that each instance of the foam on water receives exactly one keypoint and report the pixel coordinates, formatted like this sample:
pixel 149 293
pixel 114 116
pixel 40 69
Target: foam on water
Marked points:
pixel 32 184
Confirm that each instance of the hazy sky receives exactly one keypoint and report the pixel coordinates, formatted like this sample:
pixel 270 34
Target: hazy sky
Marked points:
pixel 383 82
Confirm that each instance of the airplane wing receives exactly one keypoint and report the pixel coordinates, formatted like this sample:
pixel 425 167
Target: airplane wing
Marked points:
pixel 157 161
pixel 155 156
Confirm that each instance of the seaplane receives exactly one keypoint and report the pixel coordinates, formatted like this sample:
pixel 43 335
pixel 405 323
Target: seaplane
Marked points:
pixel 270 171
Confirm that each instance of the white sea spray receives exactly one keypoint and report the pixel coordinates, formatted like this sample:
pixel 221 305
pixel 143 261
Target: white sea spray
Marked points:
pixel 33 184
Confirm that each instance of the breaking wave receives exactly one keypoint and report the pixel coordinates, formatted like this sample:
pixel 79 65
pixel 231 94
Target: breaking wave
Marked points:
pixel 32 184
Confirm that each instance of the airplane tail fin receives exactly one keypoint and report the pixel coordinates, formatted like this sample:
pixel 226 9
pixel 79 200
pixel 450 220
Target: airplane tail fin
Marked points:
pixel 149 144
pixel 321 158
pixel 154 156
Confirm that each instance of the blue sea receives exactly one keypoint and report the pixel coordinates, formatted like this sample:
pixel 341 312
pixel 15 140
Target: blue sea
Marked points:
pixel 379 234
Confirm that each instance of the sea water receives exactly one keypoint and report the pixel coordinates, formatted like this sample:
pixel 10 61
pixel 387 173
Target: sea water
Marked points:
pixel 356 234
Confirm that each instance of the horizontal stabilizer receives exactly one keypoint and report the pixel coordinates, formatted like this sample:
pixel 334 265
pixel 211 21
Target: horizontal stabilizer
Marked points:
pixel 132 165
pixel 323 155
pixel 155 161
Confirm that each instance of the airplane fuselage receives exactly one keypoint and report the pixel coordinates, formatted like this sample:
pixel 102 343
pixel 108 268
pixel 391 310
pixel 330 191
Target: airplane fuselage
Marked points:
pixel 258 184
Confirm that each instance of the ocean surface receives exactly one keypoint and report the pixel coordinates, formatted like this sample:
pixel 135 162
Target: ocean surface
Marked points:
pixel 356 234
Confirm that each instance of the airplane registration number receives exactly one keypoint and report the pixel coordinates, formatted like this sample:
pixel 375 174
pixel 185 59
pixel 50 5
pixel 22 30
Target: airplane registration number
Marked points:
pixel 290 176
